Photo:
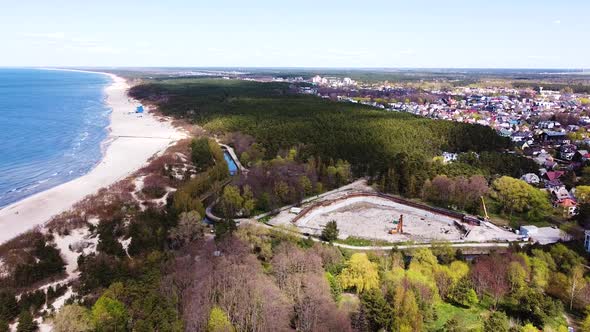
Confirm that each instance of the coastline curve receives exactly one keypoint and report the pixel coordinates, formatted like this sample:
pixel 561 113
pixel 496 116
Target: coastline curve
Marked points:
pixel 131 141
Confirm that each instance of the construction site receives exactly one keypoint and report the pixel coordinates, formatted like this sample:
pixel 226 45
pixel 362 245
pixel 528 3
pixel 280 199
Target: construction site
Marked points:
pixel 379 218
pixel 361 212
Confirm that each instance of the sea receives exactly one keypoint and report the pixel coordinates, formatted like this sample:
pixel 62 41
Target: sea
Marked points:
pixel 53 126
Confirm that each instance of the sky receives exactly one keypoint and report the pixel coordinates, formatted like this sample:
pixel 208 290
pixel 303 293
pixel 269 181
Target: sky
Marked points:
pixel 319 33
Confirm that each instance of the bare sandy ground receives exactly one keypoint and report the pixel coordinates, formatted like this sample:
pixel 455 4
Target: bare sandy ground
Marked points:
pixel 371 218
pixel 132 141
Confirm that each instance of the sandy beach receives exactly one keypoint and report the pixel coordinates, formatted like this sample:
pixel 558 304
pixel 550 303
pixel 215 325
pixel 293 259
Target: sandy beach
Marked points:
pixel 132 140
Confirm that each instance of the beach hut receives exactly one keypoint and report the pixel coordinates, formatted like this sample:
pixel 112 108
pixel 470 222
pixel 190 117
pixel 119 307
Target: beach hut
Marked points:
pixel 139 109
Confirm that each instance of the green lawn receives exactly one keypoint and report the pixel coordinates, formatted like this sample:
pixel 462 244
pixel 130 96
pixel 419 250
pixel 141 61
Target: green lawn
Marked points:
pixel 360 242
pixel 472 318
pixel 264 220
pixel 469 318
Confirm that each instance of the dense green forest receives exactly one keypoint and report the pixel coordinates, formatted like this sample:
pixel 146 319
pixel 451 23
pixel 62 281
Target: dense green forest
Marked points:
pixel 278 118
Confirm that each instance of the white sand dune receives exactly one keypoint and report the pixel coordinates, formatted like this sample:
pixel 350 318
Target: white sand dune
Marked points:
pixel 132 141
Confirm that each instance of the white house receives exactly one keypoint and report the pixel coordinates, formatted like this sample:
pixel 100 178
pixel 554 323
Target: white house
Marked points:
pixel 348 81
pixel 449 157
pixel 548 124
pixel 531 178
pixel 528 230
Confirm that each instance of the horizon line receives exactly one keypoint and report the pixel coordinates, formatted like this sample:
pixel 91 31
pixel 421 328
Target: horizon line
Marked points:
pixel 302 67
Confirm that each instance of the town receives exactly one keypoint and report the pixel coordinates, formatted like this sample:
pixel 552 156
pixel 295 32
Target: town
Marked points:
pixel 550 127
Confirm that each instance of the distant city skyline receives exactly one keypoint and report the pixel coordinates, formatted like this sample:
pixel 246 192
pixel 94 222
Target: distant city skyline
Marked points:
pixel 321 34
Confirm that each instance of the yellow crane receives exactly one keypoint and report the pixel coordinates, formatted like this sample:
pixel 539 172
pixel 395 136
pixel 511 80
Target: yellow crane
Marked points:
pixel 483 203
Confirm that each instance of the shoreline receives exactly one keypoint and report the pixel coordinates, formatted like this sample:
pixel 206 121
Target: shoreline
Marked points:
pixel 131 141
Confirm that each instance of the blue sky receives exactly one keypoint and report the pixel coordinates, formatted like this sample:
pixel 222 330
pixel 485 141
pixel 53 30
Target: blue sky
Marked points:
pixel 432 33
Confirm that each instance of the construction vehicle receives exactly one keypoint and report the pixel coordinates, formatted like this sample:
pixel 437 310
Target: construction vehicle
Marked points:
pixel 485 210
pixel 399 228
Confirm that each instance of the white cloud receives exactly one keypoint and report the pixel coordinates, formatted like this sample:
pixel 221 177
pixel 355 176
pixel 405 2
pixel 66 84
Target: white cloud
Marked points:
pixel 557 22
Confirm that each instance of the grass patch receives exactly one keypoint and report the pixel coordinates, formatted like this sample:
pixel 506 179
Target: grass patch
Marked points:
pixel 265 219
pixel 469 318
pixel 360 242
pixel 515 221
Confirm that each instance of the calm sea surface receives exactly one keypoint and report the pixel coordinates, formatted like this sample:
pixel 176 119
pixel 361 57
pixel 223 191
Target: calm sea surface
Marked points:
pixel 52 124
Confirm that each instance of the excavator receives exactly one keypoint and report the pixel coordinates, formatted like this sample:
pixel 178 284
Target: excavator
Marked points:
pixel 399 229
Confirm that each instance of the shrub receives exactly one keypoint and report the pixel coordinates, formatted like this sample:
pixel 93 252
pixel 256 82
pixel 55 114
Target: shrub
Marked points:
pixel 154 186
pixel 32 301
pixel 149 231
pixel 73 318
pixel 360 274
pixel 189 228
pixel 219 321
pixel 109 315
pixel 48 263
pixel 497 322
pixel 330 231
pixel 26 323
pixel 108 232
pixel 335 287
pixel 8 306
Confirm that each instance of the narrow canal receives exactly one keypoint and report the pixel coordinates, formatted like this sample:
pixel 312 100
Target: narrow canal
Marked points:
pixel 231 164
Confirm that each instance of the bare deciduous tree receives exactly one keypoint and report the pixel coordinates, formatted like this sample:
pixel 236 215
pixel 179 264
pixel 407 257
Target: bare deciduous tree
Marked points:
pixel 229 276
pixel 490 274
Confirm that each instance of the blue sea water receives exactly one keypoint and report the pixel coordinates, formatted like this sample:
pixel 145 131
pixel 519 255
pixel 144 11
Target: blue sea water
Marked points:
pixel 52 125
